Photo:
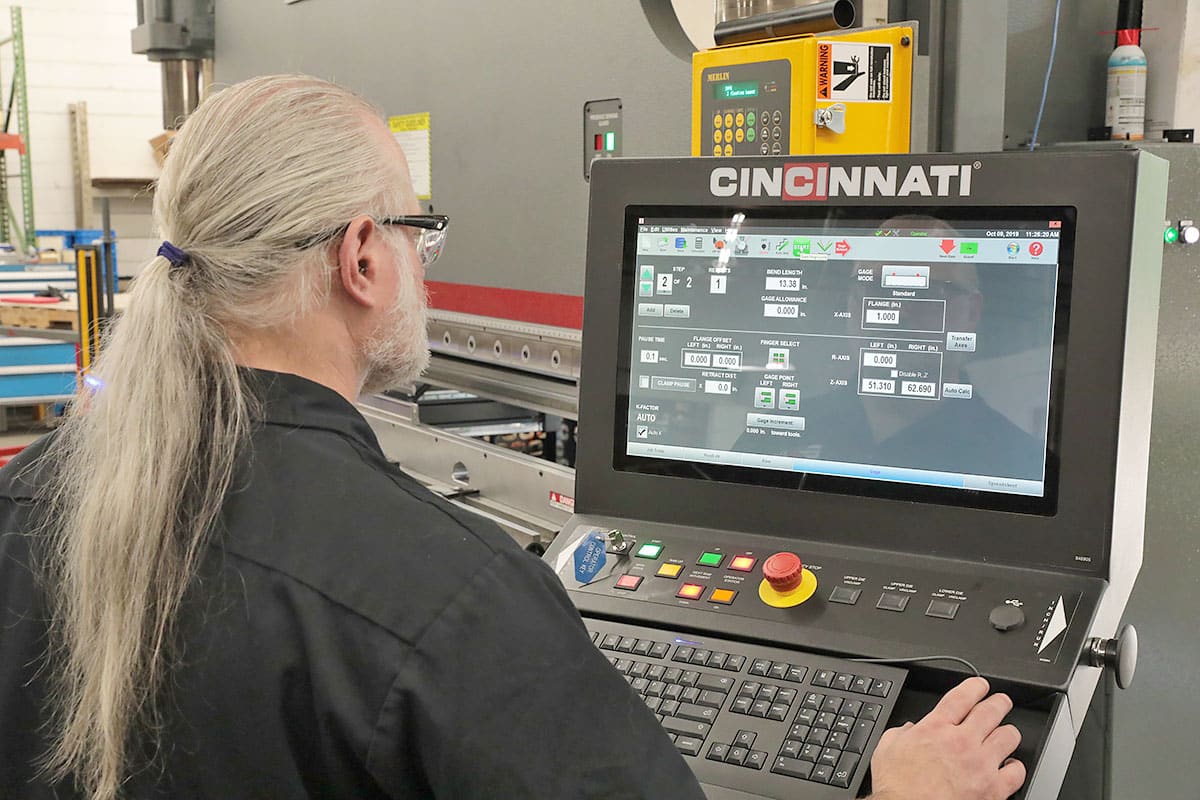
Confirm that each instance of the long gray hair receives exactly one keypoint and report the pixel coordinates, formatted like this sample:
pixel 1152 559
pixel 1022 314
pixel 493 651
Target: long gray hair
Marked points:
pixel 141 466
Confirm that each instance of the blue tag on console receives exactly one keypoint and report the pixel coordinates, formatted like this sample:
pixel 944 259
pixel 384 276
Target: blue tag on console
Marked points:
pixel 590 557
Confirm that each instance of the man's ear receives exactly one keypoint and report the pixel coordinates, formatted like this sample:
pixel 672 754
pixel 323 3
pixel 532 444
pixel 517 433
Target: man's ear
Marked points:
pixel 360 261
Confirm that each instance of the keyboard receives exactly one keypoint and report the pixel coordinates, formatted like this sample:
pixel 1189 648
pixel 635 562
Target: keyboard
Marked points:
pixel 767 721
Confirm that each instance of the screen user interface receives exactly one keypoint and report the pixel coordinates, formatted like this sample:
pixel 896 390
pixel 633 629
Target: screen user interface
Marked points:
pixel 905 352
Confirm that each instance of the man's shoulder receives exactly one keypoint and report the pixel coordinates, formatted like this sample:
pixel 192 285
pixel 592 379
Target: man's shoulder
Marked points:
pixel 27 471
pixel 355 530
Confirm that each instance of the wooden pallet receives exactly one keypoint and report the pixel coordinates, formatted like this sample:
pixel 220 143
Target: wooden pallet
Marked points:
pixel 63 316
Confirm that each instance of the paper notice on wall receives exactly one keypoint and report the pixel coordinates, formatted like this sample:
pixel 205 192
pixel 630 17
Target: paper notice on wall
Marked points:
pixel 412 132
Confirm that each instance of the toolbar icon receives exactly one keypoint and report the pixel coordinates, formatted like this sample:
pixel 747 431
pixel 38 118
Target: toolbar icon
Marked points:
pixel 1036 249
pixel 825 246
pixel 842 248
pixel 969 248
pixel 801 247
pixel 947 246
pixel 680 243
pixel 1014 248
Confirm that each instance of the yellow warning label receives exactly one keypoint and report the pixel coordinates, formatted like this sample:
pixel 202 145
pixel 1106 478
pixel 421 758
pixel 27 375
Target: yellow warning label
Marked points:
pixel 409 122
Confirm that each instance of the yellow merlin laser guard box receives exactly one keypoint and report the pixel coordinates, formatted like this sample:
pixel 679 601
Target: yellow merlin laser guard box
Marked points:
pixel 836 93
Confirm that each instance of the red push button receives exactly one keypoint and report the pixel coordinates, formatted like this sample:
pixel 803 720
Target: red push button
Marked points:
pixel 690 591
pixel 629 582
pixel 743 563
pixel 783 571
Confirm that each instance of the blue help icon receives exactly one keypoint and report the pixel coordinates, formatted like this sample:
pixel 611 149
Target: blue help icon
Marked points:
pixel 590 557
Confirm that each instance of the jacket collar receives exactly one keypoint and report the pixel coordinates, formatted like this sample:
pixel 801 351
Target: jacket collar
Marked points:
pixel 295 402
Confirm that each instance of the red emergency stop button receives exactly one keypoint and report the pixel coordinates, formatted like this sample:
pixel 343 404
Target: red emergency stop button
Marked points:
pixel 783 571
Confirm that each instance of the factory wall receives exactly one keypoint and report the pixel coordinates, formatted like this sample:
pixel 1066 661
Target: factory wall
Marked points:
pixel 78 50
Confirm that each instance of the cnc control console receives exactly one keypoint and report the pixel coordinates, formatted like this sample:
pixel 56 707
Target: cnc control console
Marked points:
pixel 875 425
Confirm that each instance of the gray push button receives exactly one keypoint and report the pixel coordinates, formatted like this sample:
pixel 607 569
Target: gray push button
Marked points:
pixel 958 391
pixel 650 309
pixel 890 601
pixel 942 609
pixel 845 595
pixel 677 312
pixel 963 342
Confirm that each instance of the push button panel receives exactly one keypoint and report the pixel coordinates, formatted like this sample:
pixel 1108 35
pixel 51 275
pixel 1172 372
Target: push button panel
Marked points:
pixel 742 101
pixel 1036 636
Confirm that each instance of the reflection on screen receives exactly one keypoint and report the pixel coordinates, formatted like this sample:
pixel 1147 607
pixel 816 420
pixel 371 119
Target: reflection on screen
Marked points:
pixel 909 350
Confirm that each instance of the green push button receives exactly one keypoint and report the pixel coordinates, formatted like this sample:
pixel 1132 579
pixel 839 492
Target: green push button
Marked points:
pixel 650 551
pixel 751 118
pixel 750 134
pixel 1171 236
pixel 710 559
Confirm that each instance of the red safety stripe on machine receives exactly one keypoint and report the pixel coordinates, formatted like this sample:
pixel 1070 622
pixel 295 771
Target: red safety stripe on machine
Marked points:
pixel 539 308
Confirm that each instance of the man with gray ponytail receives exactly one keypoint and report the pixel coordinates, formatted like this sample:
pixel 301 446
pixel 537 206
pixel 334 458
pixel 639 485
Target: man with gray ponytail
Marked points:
pixel 212 582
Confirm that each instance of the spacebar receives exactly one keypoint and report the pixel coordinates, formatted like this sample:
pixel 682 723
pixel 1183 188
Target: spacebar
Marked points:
pixel 686 727
pixel 725 793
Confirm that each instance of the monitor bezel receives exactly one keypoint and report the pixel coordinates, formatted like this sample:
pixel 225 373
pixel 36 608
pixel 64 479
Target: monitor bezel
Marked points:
pixel 1106 399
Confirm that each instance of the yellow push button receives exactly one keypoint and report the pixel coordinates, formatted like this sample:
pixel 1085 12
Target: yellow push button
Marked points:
pixel 669 570
pixel 722 596
pixel 729 120
pixel 717 137
pixel 717 121
pixel 716 149
pixel 740 119
pixel 728 135
pixel 728 150
pixel 740 135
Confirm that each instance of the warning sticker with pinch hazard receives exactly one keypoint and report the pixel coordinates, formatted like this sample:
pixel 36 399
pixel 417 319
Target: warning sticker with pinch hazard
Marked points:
pixel 854 72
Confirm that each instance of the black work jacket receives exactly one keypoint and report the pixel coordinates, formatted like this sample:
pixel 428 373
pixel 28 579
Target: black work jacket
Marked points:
pixel 351 635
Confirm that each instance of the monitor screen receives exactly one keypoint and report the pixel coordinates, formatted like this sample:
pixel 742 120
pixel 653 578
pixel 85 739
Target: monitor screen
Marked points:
pixel 913 356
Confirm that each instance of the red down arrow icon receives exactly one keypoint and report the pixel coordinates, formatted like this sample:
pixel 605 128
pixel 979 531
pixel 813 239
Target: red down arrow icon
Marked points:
pixel 947 246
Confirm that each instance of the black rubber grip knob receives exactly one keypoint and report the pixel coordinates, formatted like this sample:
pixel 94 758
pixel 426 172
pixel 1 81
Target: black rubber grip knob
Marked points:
pixel 1006 618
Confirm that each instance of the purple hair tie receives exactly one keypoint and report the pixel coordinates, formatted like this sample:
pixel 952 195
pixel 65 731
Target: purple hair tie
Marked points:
pixel 173 254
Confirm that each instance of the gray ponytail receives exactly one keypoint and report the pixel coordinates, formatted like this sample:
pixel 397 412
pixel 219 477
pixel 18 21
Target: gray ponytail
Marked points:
pixel 141 465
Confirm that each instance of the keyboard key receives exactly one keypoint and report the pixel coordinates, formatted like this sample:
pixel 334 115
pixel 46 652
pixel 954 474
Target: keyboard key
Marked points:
pixel 777 712
pixel 749 689
pixel 656 672
pixel 689 677
pixel 871 711
pixel 653 703
pixel 720 683
pixel 844 771
pixel 673 691
pixel 672 674
pixel 683 654
pixel 811 752
pixel 734 663
pixel 660 650
pixel 799 732
pixel 760 666
pixel 595 636
pixel 880 688
pixel 610 641
pixel 697 713
pixel 623 665
pixel 756 760
pixel 860 736
pixel 829 756
pixel 832 703
pixel 823 677
pixel 639 684
pixel 796 674
pixel 668 707
pixel 807 716
pixel 686 727
pixel 786 696
pixel 852 707
pixel 656 688
pixel 642 648
pixel 792 767
pixel 745 739
pixel 778 671
pixel 717 660
pixel 861 685
pixel 760 708
pixel 626 644
pixel 843 724
pixel 838 740
pixel 825 720
pixel 717 751
pixel 737 755
pixel 742 705
pixel 689 745
pixel 842 681
pixel 638 670
pixel 818 736
pixel 791 748
pixel 712 698
pixel 813 700
pixel 700 657
pixel 690 695
pixel 767 693
pixel 821 773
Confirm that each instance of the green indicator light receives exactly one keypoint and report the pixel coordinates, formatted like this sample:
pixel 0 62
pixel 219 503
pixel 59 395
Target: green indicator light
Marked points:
pixel 1171 236
pixel 969 248
pixel 610 141
pixel 710 559
pixel 650 551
